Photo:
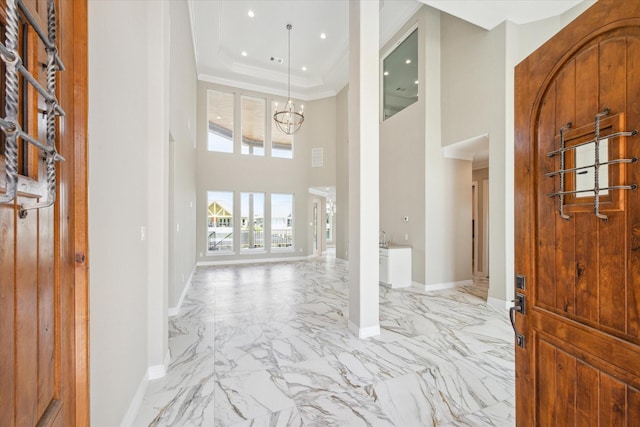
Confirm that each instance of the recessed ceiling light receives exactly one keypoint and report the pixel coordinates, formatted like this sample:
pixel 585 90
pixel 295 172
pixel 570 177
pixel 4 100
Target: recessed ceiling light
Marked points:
pixel 416 82
pixel 251 14
pixel 386 73
pixel 304 68
pixel 244 53
pixel 323 36
pixel 408 61
pixel 218 118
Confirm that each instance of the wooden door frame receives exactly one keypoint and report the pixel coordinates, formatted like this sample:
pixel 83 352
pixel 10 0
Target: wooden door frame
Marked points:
pixel 78 16
pixel 532 78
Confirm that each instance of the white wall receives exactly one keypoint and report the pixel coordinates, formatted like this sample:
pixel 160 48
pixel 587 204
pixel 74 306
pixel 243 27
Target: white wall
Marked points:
pixel 342 176
pixel 182 156
pixel 481 102
pixel 243 173
pixel 125 111
pixel 402 181
pixel 132 167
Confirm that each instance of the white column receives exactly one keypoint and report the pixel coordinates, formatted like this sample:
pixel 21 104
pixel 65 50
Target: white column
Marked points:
pixel 364 195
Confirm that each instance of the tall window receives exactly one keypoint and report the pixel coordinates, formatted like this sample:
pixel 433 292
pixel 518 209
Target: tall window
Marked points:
pixel 220 221
pixel 400 77
pixel 253 111
pixel 281 143
pixel 220 121
pixel 251 221
pixel 282 221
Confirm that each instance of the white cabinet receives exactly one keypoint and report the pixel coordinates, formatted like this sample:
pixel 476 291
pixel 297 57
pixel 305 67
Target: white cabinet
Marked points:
pixel 395 266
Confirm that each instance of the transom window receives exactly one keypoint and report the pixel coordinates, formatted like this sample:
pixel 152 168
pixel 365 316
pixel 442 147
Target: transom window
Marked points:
pixel 253 118
pixel 220 121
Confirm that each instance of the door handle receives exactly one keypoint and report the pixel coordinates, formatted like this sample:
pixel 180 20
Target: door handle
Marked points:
pixel 519 306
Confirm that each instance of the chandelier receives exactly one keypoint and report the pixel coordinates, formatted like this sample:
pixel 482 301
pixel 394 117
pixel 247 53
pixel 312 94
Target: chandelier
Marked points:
pixel 288 120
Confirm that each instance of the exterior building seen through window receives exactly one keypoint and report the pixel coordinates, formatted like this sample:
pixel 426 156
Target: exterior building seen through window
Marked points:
pixel 220 221
pixel 252 221
pixel 282 221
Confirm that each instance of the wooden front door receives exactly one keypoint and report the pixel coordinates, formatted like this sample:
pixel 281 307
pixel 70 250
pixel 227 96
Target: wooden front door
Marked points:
pixel 578 252
pixel 43 255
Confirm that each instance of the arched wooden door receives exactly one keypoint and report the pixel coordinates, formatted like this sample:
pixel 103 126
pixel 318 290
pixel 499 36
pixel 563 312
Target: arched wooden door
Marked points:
pixel 579 255
pixel 43 255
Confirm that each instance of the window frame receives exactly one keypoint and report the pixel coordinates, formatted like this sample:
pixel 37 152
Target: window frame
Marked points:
pixel 232 250
pixel 233 121
pixel 292 246
pixel 244 97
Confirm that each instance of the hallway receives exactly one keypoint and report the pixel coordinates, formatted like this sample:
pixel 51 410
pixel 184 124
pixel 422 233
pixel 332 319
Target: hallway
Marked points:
pixel 268 344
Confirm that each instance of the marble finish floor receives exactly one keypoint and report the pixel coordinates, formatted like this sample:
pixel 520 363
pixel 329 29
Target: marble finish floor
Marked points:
pixel 268 345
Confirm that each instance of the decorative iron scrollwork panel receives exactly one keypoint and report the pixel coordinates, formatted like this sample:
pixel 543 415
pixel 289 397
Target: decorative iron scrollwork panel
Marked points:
pixel 583 172
pixel 10 124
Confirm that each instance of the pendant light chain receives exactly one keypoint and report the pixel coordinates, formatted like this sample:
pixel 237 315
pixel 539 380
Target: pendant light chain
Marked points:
pixel 289 64
pixel 288 120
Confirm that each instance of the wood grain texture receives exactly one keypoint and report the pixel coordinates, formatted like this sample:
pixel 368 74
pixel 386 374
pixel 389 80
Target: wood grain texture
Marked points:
pixel 587 277
pixel 633 198
pixel 43 294
pixel 546 289
pixel 546 386
pixel 612 257
pixel 26 320
pixel 566 392
pixel 612 405
pixel 80 207
pixel 46 312
pixel 7 313
pixel 565 232
pixel 582 367
pixel 587 398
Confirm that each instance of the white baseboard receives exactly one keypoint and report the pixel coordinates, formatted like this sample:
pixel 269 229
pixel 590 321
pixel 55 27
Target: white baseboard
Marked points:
pixel 158 371
pixel 370 331
pixel 153 373
pixel 132 412
pixel 174 311
pixel 253 260
pixel 440 286
pixel 498 303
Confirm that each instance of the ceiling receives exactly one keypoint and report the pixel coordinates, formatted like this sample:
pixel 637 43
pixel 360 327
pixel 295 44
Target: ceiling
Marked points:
pixel 222 30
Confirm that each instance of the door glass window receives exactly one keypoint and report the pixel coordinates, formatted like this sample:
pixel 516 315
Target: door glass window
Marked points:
pixel 584 178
